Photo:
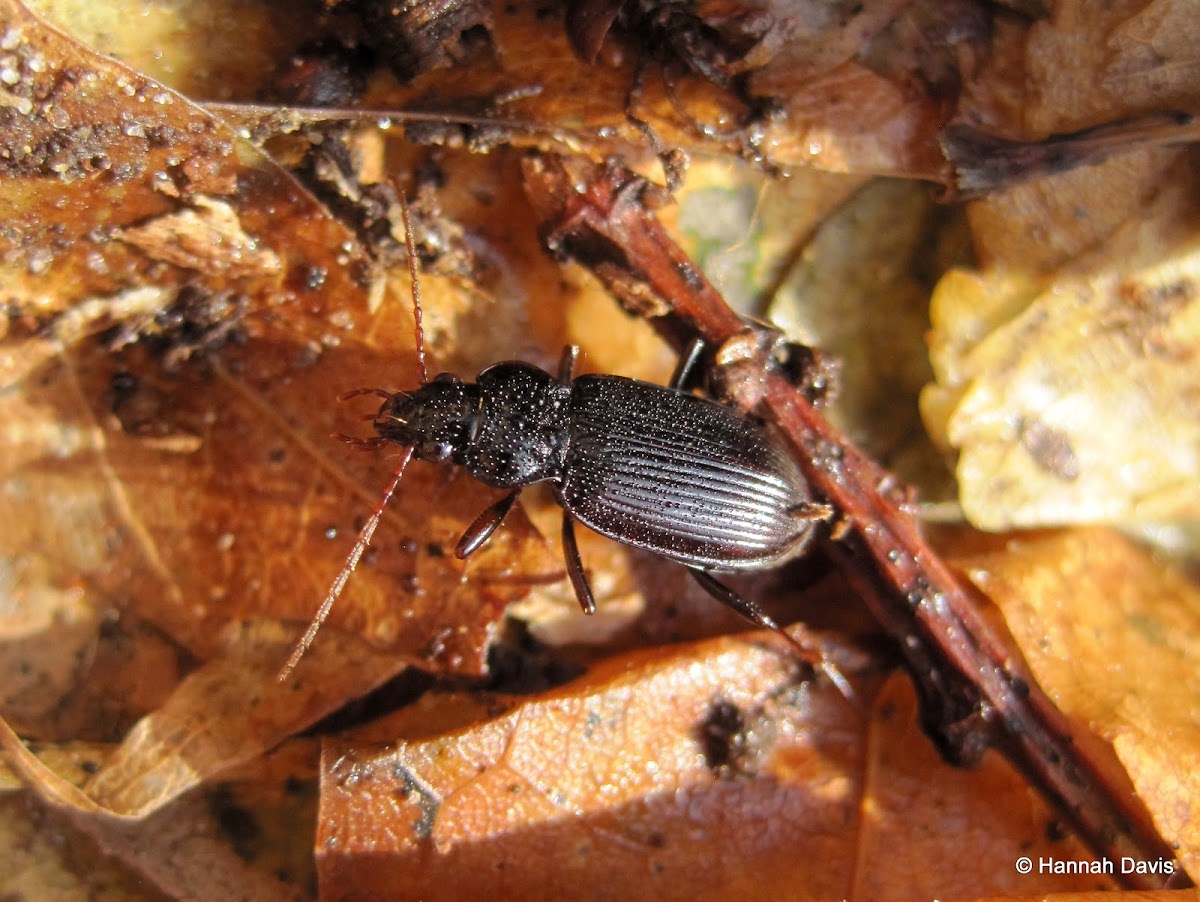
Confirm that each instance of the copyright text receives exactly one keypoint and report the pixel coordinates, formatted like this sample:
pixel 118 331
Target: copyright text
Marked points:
pixel 1124 865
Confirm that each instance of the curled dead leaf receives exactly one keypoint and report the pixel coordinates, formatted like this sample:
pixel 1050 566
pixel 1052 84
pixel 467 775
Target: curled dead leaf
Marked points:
pixel 167 466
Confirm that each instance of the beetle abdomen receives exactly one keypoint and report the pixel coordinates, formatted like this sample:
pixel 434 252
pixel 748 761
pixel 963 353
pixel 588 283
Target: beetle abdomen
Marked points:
pixel 679 475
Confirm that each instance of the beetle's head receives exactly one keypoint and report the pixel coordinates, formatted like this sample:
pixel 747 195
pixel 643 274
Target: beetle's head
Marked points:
pixel 436 421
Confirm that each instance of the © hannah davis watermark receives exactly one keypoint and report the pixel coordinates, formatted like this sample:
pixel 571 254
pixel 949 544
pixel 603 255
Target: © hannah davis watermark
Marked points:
pixel 1123 865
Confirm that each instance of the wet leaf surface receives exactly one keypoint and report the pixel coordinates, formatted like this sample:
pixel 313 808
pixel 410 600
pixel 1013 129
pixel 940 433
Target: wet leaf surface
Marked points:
pixel 713 745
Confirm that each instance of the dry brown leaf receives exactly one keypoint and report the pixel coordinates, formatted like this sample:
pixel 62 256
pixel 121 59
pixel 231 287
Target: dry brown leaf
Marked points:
pixel 845 110
pixel 40 858
pixel 1068 87
pixel 601 784
pixel 851 107
pixel 928 831
pixel 705 772
pixel 181 851
pixel 227 714
pixel 1084 65
pixel 1111 634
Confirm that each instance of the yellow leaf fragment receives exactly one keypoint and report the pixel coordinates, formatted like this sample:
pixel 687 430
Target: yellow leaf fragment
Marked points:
pixel 1072 398
pixel 206 237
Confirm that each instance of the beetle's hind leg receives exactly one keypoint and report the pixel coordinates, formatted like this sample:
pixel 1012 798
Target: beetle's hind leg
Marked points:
pixel 583 591
pixel 744 606
pixel 756 615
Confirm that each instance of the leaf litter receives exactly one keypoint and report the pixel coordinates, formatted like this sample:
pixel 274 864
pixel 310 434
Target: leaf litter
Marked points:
pixel 177 402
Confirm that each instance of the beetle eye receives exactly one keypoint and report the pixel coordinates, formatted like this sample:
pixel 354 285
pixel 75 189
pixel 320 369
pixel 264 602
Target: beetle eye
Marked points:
pixel 437 452
pixel 447 377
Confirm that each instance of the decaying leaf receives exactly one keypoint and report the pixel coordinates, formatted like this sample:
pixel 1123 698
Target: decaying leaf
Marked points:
pixel 183 851
pixel 206 237
pixel 1076 69
pixel 170 380
pixel 32 843
pixel 631 781
pixel 706 772
pixel 1112 635
pixel 1071 395
pixel 1126 58
pixel 909 800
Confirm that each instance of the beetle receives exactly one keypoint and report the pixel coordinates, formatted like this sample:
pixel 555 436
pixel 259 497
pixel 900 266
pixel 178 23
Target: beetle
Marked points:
pixel 651 466
pixel 655 467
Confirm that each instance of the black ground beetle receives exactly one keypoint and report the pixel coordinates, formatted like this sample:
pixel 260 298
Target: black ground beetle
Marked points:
pixel 652 466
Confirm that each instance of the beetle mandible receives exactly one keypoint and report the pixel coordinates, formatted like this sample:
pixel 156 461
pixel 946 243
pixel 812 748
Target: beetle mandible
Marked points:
pixel 651 466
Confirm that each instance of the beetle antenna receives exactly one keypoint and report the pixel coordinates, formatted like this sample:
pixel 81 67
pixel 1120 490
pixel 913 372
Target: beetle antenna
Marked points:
pixel 368 530
pixel 422 372
pixel 364 539
pixel 359 392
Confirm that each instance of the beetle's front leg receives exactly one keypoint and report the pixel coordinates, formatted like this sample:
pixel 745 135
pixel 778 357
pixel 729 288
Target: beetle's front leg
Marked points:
pixel 484 525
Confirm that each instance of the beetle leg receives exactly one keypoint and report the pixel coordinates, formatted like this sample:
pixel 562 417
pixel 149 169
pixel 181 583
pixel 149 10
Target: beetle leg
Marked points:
pixel 756 615
pixel 687 364
pixel 739 603
pixel 566 365
pixel 575 567
pixel 485 524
